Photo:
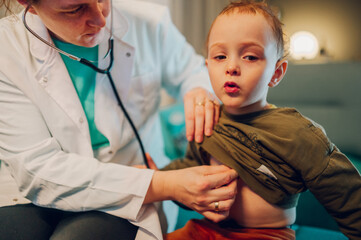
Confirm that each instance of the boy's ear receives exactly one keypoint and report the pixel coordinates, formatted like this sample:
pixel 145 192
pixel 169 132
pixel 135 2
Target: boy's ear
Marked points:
pixel 281 68
pixel 206 61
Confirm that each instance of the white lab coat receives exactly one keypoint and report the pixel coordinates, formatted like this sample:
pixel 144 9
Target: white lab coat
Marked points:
pixel 44 135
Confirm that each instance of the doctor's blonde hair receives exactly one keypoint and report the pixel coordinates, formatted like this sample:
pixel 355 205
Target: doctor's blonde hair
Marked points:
pixel 6 3
pixel 9 4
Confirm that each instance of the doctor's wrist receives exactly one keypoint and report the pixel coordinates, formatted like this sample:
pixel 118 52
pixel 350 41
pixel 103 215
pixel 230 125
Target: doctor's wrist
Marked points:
pixel 160 188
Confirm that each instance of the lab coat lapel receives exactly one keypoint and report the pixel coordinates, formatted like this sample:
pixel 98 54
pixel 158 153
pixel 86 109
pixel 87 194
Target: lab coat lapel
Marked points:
pixel 53 76
pixel 105 103
pixel 123 57
pixel 122 70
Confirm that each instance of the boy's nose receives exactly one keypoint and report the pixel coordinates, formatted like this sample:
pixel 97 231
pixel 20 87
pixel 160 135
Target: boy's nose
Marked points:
pixel 233 70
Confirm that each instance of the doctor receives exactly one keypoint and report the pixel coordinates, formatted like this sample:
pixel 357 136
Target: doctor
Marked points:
pixel 65 144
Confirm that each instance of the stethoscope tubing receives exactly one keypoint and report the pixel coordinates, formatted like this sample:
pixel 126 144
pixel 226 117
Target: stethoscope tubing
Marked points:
pixel 105 71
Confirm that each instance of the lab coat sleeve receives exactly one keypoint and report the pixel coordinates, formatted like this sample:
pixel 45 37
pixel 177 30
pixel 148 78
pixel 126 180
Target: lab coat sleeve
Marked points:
pixel 182 68
pixel 51 177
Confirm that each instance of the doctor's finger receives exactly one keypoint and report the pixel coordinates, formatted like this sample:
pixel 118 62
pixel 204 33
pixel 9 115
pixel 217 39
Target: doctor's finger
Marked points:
pixel 189 118
pixel 217 108
pixel 215 216
pixel 221 206
pixel 219 179
pixel 209 117
pixel 226 193
pixel 199 122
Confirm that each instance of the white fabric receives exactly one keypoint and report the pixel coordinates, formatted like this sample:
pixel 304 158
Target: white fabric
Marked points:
pixel 44 136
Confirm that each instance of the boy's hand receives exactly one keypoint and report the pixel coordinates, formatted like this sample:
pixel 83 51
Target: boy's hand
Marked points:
pixel 150 163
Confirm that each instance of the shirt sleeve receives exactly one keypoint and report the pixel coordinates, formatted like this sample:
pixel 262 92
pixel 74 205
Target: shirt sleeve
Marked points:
pixel 192 158
pixel 338 189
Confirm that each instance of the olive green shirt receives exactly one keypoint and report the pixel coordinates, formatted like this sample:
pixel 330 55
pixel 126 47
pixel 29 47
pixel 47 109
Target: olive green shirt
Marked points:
pixel 279 153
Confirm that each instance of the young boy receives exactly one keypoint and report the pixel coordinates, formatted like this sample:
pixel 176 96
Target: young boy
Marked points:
pixel 277 152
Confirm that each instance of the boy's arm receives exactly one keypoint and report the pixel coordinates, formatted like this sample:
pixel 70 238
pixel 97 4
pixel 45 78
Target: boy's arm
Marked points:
pixel 338 189
pixel 192 158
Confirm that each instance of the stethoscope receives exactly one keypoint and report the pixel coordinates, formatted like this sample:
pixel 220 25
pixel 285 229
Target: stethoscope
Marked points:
pixel 99 70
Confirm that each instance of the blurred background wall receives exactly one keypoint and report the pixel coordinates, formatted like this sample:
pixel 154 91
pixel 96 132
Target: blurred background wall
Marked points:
pixel 336 24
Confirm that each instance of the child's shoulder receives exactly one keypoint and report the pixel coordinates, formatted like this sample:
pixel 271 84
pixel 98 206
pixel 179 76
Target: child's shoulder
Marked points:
pixel 277 117
pixel 286 115
pixel 292 122
pixel 293 117
pixel 282 121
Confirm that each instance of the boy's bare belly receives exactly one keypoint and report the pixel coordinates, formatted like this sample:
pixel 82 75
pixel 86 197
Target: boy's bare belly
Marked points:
pixel 252 211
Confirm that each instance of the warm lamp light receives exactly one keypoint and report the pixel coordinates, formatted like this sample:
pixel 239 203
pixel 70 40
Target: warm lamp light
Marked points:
pixel 304 45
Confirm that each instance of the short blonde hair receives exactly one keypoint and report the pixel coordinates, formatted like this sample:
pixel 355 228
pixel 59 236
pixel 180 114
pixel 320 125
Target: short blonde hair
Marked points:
pixel 254 7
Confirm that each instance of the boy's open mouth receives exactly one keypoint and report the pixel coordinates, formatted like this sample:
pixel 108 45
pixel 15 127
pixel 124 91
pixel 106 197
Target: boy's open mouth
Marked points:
pixel 231 87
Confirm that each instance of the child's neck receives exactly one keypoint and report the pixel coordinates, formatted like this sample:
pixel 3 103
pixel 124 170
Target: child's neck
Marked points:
pixel 256 107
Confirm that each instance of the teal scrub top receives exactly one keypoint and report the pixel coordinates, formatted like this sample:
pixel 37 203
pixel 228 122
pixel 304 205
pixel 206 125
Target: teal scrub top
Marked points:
pixel 83 78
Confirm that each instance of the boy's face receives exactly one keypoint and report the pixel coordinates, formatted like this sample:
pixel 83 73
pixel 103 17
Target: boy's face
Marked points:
pixel 242 58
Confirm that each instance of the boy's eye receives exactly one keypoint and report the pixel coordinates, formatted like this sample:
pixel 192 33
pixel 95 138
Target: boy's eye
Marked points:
pixel 251 58
pixel 220 57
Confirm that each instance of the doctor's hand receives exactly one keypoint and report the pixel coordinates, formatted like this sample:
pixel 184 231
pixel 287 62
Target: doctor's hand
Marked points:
pixel 201 188
pixel 201 109
pixel 209 190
